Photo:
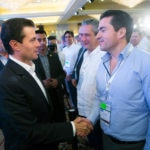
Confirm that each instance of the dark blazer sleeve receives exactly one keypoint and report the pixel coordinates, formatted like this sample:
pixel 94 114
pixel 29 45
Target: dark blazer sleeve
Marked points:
pixel 25 114
pixel 56 69
pixel 1 65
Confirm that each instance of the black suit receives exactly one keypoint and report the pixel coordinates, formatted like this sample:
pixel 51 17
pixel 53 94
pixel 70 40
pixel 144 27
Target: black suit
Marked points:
pixel 1 65
pixel 56 94
pixel 25 114
pixel 76 70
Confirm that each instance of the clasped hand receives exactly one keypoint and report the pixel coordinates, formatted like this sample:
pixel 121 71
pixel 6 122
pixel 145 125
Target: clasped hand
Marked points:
pixel 83 126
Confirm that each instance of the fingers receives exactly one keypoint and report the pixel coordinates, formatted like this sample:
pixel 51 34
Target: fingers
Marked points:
pixel 74 83
pixel 83 126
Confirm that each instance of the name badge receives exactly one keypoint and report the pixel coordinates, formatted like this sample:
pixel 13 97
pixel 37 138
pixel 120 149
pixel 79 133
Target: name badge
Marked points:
pixel 105 110
pixel 67 63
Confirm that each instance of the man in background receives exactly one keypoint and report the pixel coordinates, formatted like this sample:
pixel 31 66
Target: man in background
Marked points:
pixel 140 40
pixel 49 69
pixel 71 52
pixel 3 52
pixel 3 61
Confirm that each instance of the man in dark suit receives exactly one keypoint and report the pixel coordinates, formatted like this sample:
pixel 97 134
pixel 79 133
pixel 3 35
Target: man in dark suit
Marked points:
pixel 26 110
pixel 2 63
pixel 49 69
pixel 3 53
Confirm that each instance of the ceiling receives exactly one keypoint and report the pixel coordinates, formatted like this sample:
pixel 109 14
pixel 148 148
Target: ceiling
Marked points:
pixel 63 11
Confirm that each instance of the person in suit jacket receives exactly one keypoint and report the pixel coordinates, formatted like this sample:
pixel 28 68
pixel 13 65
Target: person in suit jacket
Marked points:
pixel 77 66
pixel 25 107
pixel 49 68
pixel 3 61
pixel 3 53
pixel 1 65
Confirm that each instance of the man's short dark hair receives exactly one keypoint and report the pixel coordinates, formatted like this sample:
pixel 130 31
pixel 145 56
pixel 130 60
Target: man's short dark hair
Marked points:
pixel 51 37
pixel 69 32
pixel 40 32
pixel 12 29
pixel 120 19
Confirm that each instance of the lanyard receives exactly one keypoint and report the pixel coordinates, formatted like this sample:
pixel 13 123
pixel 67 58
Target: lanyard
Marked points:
pixel 108 82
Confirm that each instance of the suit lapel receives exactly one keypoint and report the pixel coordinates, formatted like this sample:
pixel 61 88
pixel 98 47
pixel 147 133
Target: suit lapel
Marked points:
pixel 26 77
pixel 39 69
pixel 1 65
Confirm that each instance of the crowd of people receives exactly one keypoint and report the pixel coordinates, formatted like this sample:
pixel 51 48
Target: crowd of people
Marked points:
pixel 104 76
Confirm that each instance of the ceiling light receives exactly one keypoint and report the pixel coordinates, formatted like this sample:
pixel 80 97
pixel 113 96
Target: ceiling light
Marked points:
pixel 90 1
pixel 128 3
pixel 76 13
pixel 81 8
pixel 13 4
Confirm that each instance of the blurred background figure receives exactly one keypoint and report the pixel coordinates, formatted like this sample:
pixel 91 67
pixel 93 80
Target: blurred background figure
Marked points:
pixel 3 61
pixel 71 52
pixel 54 46
pixel 49 69
pixel 136 37
pixel 140 40
pixel 52 39
pixel 3 53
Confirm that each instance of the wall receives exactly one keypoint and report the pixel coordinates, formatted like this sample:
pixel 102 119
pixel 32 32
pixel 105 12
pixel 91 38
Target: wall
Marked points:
pixel 59 29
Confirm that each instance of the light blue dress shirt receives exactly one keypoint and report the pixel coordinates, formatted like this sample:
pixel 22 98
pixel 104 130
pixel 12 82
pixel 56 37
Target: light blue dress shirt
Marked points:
pixel 128 96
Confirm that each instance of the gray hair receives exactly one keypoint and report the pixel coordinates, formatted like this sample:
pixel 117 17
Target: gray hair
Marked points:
pixel 93 22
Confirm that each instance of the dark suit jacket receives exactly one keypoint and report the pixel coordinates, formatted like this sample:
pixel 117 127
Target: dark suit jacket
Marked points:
pixel 57 73
pixel 1 65
pixel 56 69
pixel 76 70
pixel 25 113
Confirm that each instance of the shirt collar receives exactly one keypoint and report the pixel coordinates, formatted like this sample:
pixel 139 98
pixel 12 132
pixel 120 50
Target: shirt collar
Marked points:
pixel 124 53
pixel 27 67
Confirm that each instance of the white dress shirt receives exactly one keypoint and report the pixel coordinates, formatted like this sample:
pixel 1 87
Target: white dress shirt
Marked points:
pixel 71 53
pixel 31 70
pixel 86 87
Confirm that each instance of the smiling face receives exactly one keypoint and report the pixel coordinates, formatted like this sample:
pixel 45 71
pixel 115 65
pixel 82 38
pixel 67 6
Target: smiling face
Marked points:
pixel 135 38
pixel 68 39
pixel 87 37
pixel 41 37
pixel 107 36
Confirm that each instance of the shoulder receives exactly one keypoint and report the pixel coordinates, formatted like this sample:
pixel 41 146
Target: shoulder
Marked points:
pixel 141 55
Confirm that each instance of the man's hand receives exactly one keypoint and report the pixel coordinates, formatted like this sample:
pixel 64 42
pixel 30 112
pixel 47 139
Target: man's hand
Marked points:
pixel 68 77
pixel 46 83
pixel 74 82
pixel 53 82
pixel 83 126
pixel 50 82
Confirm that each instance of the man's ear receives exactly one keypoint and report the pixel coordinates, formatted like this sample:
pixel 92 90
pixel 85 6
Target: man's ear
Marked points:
pixel 14 45
pixel 122 32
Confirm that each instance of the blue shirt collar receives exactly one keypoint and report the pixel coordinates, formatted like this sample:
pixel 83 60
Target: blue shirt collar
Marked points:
pixel 123 55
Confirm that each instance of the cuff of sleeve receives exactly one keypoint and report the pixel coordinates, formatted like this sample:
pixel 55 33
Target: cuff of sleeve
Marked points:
pixel 73 127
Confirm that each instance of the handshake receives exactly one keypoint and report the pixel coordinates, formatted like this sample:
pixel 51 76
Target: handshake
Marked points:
pixel 83 126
